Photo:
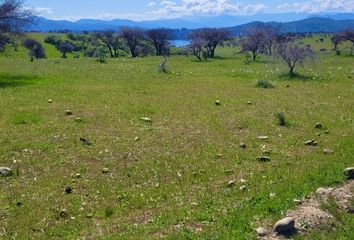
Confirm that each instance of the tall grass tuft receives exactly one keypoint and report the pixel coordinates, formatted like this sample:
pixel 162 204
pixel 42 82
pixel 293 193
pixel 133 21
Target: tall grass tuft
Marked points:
pixel 281 119
pixel 264 84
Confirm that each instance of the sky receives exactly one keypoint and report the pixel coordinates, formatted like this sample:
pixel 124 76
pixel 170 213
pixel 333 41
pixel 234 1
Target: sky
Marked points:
pixel 156 9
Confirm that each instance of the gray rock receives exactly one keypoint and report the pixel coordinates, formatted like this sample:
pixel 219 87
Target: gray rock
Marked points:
pixel 145 119
pixel 50 101
pixel 231 184
pixel 243 145
pixel 249 103
pixel 69 112
pixel 263 159
pixel 349 173
pixel 217 103
pixel 261 232
pixel 328 151
pixel 311 143
pixel 318 126
pixel 284 225
pixel 297 201
pixel 105 170
pixel 5 171
pixel 263 137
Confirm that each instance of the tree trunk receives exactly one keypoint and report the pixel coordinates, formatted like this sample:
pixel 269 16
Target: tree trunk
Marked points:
pixel 254 56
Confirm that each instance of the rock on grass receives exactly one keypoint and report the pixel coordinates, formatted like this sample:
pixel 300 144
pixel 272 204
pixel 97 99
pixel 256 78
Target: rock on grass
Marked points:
pixel 349 173
pixel 5 171
pixel 261 232
pixel 284 225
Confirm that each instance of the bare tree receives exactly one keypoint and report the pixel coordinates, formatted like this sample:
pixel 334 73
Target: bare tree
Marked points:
pixel 213 37
pixel 254 42
pixel 13 18
pixel 132 38
pixel 64 48
pixel 337 38
pixel 35 49
pixel 111 40
pixel 198 47
pixel 159 37
pixel 349 36
pixel 293 54
pixel 269 40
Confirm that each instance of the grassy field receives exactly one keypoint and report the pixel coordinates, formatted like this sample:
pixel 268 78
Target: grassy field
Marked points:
pixel 168 178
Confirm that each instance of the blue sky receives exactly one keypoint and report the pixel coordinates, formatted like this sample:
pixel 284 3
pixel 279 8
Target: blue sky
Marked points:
pixel 155 9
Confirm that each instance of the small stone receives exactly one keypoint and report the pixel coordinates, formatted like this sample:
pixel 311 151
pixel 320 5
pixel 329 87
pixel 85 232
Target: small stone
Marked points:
pixel 261 232
pixel 249 103
pixel 318 134
pixel 219 155
pixel 231 184
pixel 90 215
pixel 63 213
pixel 85 141
pixel 5 171
pixel 243 188
pixel 78 175
pixel 243 180
pixel 69 112
pixel 263 159
pixel 68 190
pixel 311 143
pixel 272 195
pixel 50 101
pixel 328 151
pixel 266 152
pixel 318 126
pixel 326 132
pixel 263 137
pixel 105 170
pixel 19 204
pixel 78 120
pixel 349 173
pixel 284 225
pixel 217 103
pixel 145 119
pixel 243 145
pixel 297 201
pixel 136 139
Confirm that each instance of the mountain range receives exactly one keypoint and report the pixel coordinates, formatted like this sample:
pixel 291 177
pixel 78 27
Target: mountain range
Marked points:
pixel 285 22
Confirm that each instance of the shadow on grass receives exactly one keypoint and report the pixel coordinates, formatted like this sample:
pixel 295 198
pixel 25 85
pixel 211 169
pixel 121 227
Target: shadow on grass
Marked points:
pixel 296 76
pixel 16 80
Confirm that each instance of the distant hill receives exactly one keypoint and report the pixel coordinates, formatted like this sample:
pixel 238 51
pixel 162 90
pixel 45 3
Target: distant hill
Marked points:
pixel 309 25
pixel 189 22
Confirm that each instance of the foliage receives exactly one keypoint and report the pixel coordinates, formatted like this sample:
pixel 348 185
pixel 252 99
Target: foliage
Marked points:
pixel 35 48
pixel 264 84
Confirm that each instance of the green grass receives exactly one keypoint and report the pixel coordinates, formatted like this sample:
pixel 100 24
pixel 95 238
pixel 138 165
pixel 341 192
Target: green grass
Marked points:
pixel 172 182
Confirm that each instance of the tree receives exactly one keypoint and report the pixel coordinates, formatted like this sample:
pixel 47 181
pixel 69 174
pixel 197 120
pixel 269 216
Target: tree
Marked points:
pixel 132 38
pixel 349 36
pixel 159 38
pixel 35 49
pixel 13 18
pixel 269 40
pixel 337 38
pixel 198 48
pixel 254 42
pixel 213 37
pixel 293 54
pixel 64 48
pixel 111 40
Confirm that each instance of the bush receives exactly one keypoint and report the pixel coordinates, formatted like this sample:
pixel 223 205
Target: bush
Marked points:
pixel 281 119
pixel 264 84
pixel 35 49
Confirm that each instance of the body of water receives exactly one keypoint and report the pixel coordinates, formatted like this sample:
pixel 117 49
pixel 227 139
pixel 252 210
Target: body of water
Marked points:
pixel 179 43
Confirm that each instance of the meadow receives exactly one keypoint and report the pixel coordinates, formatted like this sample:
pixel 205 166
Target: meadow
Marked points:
pixel 161 152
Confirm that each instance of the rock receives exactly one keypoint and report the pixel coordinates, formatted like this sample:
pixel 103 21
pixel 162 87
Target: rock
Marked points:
pixel 90 215
pixel 261 232
pixel 318 126
pixel 231 184
pixel 263 137
pixel 68 190
pixel 243 188
pixel 78 175
pixel 243 180
pixel 217 103
pixel 69 112
pixel 5 171
pixel 249 103
pixel 297 201
pixel 311 143
pixel 284 225
pixel 243 145
pixel 145 119
pixel 328 151
pixel 50 101
pixel 136 139
pixel 263 159
pixel 105 170
pixel 272 195
pixel 266 152
pixel 63 213
pixel 78 120
pixel 85 141
pixel 349 173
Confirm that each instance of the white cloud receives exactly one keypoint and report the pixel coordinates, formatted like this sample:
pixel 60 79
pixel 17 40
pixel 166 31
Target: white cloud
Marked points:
pixel 150 4
pixel 42 11
pixel 316 6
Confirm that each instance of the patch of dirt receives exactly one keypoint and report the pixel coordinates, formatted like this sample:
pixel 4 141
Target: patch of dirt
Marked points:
pixel 310 214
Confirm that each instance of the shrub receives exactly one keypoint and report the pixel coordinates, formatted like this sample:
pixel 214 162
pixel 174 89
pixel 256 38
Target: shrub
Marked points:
pixel 281 119
pixel 35 49
pixel 264 84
